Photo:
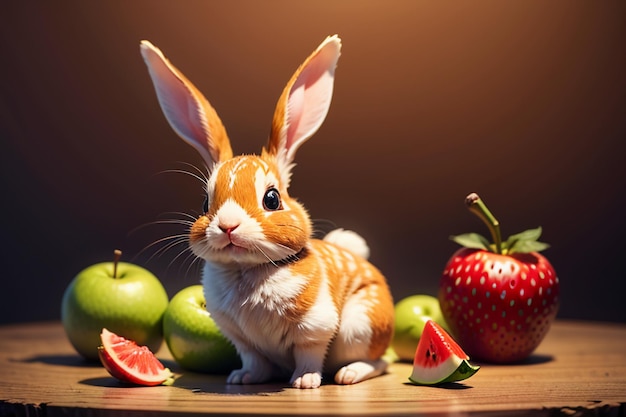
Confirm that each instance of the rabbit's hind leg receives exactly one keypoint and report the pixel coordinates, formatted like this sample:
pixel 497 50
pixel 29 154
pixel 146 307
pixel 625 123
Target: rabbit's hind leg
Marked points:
pixel 360 371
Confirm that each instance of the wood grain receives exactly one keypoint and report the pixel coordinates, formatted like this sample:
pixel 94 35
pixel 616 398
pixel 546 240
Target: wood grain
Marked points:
pixel 579 369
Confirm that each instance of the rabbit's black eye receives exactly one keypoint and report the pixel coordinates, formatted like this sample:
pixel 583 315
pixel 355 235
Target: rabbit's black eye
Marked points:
pixel 205 205
pixel 271 200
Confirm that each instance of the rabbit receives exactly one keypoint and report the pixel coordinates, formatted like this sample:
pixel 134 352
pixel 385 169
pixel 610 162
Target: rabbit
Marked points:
pixel 292 306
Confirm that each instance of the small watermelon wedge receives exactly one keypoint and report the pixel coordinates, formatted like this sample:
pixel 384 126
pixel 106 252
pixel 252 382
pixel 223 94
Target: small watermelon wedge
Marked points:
pixel 131 363
pixel 439 359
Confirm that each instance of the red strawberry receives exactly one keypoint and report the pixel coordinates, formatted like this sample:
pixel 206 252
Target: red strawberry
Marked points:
pixel 498 299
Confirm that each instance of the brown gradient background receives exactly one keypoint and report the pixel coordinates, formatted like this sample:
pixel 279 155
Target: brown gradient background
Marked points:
pixel 523 102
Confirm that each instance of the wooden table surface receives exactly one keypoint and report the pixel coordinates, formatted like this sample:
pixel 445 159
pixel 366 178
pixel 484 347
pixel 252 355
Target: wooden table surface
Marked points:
pixel 579 369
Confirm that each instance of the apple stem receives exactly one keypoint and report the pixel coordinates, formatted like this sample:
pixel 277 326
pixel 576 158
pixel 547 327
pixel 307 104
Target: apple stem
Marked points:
pixel 117 254
pixel 478 207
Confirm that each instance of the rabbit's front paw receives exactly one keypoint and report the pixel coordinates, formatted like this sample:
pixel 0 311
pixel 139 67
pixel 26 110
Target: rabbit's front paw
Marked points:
pixel 238 376
pixel 307 380
pixel 246 376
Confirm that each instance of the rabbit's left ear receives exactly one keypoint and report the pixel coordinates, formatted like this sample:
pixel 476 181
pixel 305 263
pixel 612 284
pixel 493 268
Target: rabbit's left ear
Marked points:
pixel 303 105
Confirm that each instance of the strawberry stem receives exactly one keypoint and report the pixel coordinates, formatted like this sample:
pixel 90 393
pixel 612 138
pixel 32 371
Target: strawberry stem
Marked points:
pixel 476 206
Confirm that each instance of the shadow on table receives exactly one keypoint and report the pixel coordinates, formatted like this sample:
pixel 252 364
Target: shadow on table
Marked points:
pixel 61 360
pixel 216 384
pixel 535 359
pixel 197 383
pixel 447 385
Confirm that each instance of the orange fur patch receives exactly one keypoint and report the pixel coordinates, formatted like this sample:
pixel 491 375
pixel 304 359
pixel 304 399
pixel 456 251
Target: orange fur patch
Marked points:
pixel 343 283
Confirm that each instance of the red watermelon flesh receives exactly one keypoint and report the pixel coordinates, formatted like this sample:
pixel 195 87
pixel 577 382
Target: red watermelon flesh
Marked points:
pixel 439 359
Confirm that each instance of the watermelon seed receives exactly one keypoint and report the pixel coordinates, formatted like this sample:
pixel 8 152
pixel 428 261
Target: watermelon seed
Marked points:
pixel 432 355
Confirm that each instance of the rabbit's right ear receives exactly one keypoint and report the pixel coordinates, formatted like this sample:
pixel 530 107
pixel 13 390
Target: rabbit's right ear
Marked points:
pixel 188 112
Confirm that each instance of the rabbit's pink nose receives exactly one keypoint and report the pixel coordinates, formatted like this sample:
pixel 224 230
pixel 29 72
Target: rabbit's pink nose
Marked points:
pixel 228 229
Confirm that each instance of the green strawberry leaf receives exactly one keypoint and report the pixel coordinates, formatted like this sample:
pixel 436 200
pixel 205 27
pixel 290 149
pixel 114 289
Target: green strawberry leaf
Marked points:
pixel 525 242
pixel 530 234
pixel 472 240
pixel 528 246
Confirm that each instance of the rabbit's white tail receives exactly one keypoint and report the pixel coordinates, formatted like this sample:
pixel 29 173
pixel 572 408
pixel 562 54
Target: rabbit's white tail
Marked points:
pixel 349 240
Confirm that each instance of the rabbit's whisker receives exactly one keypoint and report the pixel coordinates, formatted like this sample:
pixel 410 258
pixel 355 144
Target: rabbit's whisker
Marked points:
pixel 204 175
pixel 182 171
pixel 182 222
pixel 198 174
pixel 181 214
pixel 173 240
pixel 257 247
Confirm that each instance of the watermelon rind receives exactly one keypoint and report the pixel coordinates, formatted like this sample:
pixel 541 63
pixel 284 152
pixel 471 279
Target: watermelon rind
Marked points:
pixel 439 359
pixel 422 376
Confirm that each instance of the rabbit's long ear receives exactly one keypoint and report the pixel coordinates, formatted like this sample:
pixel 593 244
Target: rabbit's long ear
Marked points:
pixel 189 113
pixel 304 103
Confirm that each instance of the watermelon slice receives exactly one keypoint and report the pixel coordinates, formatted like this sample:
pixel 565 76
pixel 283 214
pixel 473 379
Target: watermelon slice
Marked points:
pixel 439 359
pixel 130 363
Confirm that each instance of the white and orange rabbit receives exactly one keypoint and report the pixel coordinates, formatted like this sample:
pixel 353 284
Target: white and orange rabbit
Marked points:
pixel 291 304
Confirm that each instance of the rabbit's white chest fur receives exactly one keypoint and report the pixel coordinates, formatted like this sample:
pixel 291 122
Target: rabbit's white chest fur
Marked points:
pixel 258 308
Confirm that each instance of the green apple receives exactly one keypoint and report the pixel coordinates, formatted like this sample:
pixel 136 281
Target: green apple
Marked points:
pixel 412 313
pixel 125 298
pixel 195 341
